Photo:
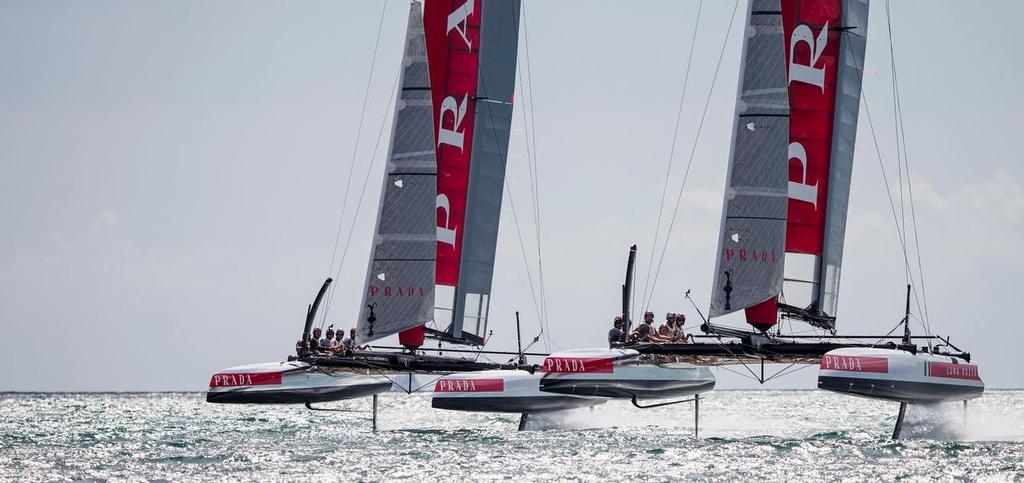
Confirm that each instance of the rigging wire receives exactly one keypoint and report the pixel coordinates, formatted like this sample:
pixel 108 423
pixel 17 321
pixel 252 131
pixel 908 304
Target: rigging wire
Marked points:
pixel 885 180
pixel 902 222
pixel 537 304
pixel 533 161
pixel 672 150
pixel 529 124
pixel 902 136
pixel 355 151
pixel 900 231
pixel 693 148
pixel 522 247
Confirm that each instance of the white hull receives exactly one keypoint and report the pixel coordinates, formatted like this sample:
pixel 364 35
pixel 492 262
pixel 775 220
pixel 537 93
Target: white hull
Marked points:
pixel 897 375
pixel 622 373
pixel 503 391
pixel 291 383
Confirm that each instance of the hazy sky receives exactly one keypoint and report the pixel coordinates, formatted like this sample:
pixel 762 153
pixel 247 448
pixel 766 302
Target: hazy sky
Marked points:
pixel 171 176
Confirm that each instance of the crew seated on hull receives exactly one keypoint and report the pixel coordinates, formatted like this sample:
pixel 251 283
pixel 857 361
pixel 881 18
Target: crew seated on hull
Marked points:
pixel 666 329
pixel 314 341
pixel 677 330
pixel 615 334
pixel 350 342
pixel 645 332
pixel 329 343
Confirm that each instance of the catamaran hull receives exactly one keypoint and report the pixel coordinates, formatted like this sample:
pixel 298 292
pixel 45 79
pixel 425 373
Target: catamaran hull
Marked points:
pixel 501 391
pixel 897 375
pixel 622 373
pixel 291 383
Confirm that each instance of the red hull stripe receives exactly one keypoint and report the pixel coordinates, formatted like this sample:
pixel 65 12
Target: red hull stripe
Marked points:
pixel 855 364
pixel 452 30
pixel 245 379
pixel 469 385
pixel 812 63
pixel 953 371
pixel 578 364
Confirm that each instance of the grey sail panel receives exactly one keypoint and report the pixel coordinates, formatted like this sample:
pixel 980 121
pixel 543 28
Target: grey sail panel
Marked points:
pixel 399 291
pixel 749 268
pixel 844 134
pixel 499 38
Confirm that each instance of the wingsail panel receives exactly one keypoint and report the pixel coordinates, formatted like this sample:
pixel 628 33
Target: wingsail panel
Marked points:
pixel 453 46
pixel 493 124
pixel 752 239
pixel 399 291
pixel 812 32
pixel 844 136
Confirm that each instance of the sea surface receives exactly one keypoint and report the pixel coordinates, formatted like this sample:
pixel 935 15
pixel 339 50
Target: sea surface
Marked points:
pixel 744 435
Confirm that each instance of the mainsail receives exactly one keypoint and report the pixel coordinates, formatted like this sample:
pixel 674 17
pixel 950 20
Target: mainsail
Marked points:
pixel 811 117
pixel 471 45
pixel 433 253
pixel 399 290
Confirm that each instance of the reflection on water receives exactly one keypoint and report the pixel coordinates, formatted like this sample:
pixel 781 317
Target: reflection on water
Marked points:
pixel 768 435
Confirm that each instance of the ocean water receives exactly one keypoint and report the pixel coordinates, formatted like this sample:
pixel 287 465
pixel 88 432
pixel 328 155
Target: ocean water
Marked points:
pixel 744 435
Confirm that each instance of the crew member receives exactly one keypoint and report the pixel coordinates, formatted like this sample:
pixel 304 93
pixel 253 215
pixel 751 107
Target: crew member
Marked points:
pixel 615 334
pixel 314 341
pixel 666 329
pixel 679 333
pixel 645 331
pixel 351 341
pixel 328 342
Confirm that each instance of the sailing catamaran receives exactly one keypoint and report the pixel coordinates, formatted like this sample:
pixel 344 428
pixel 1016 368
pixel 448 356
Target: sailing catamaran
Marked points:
pixel 784 215
pixel 437 223
pixel 432 260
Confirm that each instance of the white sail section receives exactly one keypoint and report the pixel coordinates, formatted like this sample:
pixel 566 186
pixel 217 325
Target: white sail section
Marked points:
pixel 399 290
pixel 753 230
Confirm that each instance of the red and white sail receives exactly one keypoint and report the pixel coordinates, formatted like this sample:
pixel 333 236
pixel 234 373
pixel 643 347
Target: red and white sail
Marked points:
pixel 821 43
pixel 471 47
pixel 470 59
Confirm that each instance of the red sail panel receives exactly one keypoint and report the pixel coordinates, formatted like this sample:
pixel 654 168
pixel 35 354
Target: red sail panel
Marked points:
pixel 812 29
pixel 452 29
